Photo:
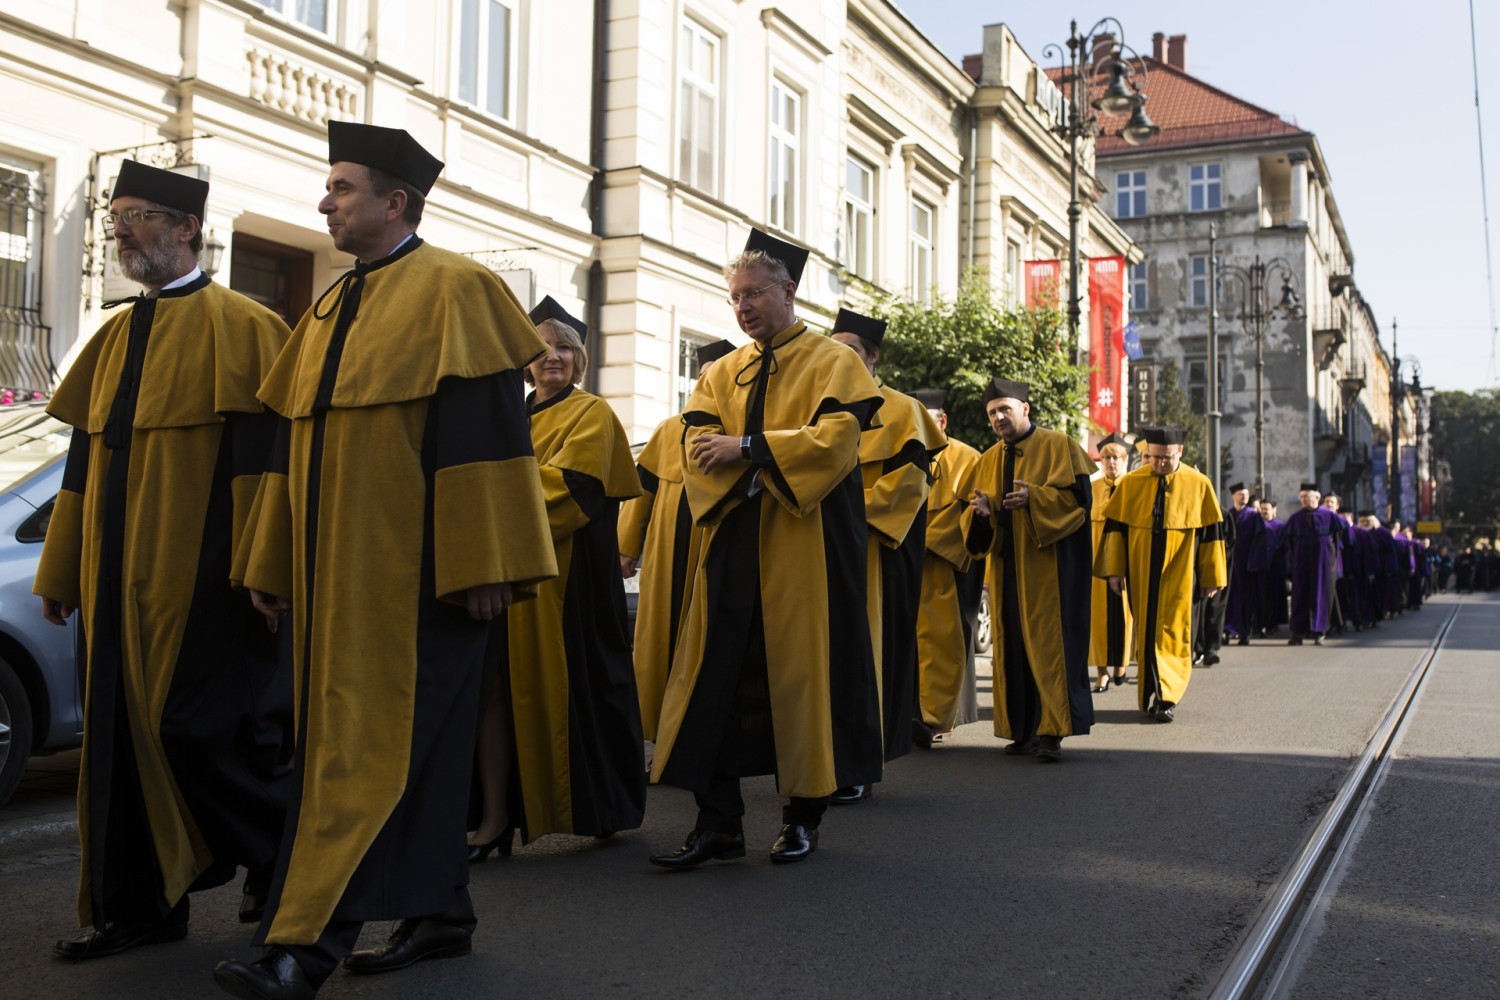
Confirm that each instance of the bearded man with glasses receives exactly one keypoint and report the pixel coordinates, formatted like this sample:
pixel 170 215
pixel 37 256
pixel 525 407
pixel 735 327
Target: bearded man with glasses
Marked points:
pixel 187 726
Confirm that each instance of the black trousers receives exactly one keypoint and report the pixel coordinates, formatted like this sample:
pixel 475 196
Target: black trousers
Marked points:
pixel 320 959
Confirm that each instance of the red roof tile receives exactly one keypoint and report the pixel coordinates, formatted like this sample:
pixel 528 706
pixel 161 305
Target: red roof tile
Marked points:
pixel 1189 111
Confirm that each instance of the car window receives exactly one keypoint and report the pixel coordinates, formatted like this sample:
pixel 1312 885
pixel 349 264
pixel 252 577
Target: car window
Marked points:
pixel 29 439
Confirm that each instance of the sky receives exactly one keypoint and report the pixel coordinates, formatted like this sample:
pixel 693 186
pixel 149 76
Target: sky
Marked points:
pixel 1387 88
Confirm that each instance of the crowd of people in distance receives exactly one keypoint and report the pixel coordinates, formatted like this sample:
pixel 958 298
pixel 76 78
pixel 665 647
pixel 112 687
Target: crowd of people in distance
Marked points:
pixel 354 592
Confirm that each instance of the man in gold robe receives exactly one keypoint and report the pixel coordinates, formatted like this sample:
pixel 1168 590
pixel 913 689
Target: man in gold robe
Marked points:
pixel 659 540
pixel 774 671
pixel 951 586
pixel 1029 513
pixel 895 461
pixel 1161 527
pixel 187 724
pixel 404 514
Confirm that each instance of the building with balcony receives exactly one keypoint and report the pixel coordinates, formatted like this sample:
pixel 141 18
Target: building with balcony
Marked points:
pixel 612 155
pixel 1263 184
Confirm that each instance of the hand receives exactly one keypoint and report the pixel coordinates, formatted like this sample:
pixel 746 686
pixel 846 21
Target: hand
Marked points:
pixel 1019 497
pixel 271 607
pixel 709 451
pixel 488 600
pixel 1209 592
pixel 628 566
pixel 1117 585
pixel 980 504
pixel 56 612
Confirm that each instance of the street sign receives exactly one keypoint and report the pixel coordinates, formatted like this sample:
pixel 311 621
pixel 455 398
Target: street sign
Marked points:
pixel 1142 395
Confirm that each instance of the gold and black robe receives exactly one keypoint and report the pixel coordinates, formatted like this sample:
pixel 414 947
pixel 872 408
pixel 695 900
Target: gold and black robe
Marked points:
pixel 1038 575
pixel 403 476
pixel 657 529
pixel 187 725
pixel 945 640
pixel 571 686
pixel 1158 532
pixel 895 459
pixel 1109 634
pixel 775 641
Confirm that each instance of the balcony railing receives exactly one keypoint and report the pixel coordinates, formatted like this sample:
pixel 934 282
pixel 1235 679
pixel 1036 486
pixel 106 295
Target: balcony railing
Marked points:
pixel 1275 213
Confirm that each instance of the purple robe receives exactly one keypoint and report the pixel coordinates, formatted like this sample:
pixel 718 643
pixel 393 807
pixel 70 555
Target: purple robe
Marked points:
pixel 1268 564
pixel 1314 537
pixel 1249 526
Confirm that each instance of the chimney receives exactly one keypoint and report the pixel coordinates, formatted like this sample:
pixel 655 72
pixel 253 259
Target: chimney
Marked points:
pixel 1104 46
pixel 1159 47
pixel 1177 52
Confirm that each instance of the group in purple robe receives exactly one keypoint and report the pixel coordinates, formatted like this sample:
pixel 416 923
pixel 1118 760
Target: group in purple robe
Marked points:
pixel 1268 572
pixel 1314 537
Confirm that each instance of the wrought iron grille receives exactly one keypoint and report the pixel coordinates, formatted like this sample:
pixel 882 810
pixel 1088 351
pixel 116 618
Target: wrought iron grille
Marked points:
pixel 26 363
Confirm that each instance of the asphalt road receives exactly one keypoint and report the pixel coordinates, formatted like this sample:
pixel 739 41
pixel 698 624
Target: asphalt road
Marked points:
pixel 1128 870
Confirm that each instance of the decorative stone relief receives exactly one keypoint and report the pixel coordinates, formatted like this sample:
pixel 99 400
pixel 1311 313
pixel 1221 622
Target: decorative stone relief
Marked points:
pixel 285 86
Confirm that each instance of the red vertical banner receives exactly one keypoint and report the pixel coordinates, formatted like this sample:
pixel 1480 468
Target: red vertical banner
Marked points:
pixel 1043 278
pixel 1106 342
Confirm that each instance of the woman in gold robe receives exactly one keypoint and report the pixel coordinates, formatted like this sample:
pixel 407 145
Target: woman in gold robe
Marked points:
pixel 560 747
pixel 1109 635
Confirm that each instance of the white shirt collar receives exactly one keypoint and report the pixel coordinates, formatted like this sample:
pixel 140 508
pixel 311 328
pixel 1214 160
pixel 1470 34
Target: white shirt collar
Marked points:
pixel 191 276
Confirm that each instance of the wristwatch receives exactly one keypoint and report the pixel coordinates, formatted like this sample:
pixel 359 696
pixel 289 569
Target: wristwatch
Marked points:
pixel 745 447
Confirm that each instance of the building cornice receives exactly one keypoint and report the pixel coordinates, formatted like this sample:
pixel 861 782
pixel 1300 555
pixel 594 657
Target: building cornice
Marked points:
pixel 781 24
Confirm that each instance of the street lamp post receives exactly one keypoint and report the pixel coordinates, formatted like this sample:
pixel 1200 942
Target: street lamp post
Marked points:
pixel 1256 310
pixel 1091 55
pixel 1215 412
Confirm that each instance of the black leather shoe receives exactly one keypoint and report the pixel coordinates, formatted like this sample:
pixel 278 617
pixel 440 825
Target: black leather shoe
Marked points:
pixel 795 843
pixel 1165 711
pixel 120 937
pixel 1243 641
pixel 1049 749
pixel 1295 640
pixel 701 846
pixel 414 939
pixel 921 735
pixel 1211 660
pixel 852 794
pixel 274 976
pixel 1317 640
pixel 252 905
pixel 1021 748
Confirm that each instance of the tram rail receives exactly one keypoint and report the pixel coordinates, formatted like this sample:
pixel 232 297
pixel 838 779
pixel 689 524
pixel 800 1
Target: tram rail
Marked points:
pixel 1268 952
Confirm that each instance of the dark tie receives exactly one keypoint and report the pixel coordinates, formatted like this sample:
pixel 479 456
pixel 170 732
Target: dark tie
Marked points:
pixel 1159 507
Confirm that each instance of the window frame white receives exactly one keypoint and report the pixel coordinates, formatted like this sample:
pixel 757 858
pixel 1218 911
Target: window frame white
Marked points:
pixel 691 84
pixel 685 379
pixel 1130 194
pixel 482 68
pixel 1138 277
pixel 1205 185
pixel 921 276
pixel 784 156
pixel 330 15
pixel 859 214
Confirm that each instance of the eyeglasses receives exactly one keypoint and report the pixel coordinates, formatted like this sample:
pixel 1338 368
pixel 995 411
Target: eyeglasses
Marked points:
pixel 130 217
pixel 735 298
pixel 1161 458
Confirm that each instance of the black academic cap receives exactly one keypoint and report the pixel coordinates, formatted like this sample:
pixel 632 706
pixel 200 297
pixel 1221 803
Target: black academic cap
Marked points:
pixel 165 187
pixel 791 255
pixel 714 351
pixel 1236 487
pixel 868 327
pixel 1113 438
pixel 1164 435
pixel 549 308
pixel 1002 387
pixel 1310 487
pixel 933 399
pixel 1367 513
pixel 392 150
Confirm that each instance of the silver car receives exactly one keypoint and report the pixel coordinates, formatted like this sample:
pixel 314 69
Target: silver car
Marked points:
pixel 41 694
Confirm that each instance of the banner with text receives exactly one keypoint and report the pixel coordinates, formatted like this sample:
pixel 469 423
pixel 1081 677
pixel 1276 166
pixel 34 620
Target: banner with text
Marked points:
pixel 1043 279
pixel 1106 341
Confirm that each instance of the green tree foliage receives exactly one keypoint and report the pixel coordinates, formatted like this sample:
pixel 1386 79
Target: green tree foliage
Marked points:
pixel 1462 424
pixel 960 344
pixel 1172 407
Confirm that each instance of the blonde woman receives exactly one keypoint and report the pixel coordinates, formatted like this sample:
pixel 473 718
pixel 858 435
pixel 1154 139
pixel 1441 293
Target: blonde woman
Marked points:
pixel 560 747
pixel 1110 625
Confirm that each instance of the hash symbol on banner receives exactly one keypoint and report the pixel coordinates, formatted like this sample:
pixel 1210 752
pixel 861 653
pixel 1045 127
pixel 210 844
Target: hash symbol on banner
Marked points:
pixel 1106 398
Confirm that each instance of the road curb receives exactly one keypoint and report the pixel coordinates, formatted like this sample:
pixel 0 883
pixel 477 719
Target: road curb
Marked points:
pixel 31 833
